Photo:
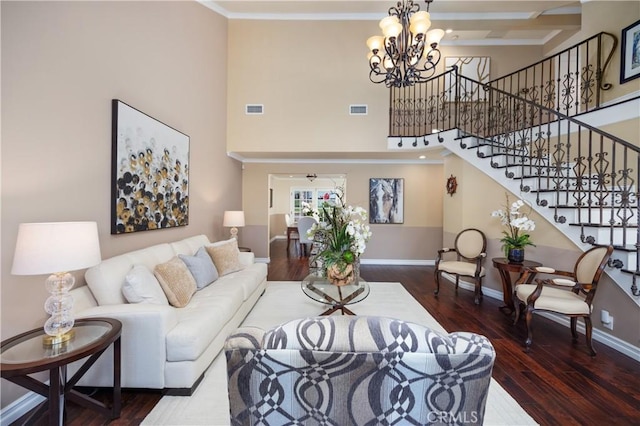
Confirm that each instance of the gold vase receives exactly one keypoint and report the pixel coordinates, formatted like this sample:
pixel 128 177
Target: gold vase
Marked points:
pixel 340 278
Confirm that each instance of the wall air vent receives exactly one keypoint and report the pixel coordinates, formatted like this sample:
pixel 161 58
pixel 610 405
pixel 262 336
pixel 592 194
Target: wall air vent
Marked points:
pixel 254 109
pixel 358 109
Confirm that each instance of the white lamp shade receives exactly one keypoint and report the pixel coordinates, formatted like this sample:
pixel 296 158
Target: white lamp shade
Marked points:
pixel 434 36
pixel 233 218
pixel 47 248
pixel 375 42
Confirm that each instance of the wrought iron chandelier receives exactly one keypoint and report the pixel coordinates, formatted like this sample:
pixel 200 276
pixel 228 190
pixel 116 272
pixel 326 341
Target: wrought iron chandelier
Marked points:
pixel 407 52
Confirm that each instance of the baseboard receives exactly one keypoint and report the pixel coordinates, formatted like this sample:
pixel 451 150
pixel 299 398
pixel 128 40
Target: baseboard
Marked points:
pixel 18 408
pixel 598 335
pixel 408 262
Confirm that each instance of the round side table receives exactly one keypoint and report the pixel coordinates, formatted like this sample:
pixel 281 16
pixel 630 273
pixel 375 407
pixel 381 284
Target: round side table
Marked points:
pixel 505 268
pixel 25 354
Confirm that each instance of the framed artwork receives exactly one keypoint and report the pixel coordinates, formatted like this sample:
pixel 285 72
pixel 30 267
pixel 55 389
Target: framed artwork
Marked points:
pixel 386 200
pixel 150 172
pixel 630 53
pixel 474 67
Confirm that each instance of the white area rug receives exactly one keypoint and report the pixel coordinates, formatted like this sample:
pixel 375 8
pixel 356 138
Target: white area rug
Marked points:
pixel 284 301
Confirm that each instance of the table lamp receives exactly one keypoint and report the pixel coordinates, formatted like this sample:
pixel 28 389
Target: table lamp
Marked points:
pixel 56 248
pixel 233 219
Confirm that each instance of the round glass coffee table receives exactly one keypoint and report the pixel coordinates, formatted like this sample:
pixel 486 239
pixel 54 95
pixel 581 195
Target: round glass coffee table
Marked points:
pixel 318 288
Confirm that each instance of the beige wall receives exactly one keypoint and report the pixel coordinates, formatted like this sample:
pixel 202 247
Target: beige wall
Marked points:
pixel 418 238
pixel 303 89
pixel 62 63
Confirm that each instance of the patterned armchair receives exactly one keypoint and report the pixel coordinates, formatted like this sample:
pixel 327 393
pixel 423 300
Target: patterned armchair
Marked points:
pixel 356 370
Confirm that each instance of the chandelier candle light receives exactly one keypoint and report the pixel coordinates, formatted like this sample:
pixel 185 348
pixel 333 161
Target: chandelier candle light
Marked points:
pixel 407 52
pixel 56 248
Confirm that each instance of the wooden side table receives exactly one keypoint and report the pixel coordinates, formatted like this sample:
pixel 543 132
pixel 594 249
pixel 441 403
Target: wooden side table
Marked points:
pixel 505 269
pixel 25 354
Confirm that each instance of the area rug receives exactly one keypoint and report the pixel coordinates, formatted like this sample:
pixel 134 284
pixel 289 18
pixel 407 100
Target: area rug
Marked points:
pixel 284 301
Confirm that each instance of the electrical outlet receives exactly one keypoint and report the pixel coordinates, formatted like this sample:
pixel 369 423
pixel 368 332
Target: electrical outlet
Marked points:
pixel 609 324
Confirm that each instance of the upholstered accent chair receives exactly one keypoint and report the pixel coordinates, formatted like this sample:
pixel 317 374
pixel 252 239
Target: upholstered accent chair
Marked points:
pixel 356 370
pixel 470 252
pixel 569 293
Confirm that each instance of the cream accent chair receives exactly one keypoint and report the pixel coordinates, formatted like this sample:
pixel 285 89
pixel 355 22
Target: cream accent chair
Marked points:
pixel 470 249
pixel 571 296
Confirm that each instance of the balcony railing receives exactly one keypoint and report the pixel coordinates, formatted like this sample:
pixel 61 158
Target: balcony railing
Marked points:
pixel 571 81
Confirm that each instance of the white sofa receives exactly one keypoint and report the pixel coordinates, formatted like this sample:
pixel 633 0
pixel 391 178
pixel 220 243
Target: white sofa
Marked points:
pixel 164 347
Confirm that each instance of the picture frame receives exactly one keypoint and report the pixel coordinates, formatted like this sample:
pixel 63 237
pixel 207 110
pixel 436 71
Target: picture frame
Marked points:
pixel 630 53
pixel 386 200
pixel 477 68
pixel 150 172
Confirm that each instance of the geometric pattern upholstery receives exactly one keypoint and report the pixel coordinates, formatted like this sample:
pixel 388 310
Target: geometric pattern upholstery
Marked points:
pixel 356 370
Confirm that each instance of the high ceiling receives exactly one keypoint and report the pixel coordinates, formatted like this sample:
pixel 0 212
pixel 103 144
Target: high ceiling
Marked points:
pixel 473 23
pixel 513 22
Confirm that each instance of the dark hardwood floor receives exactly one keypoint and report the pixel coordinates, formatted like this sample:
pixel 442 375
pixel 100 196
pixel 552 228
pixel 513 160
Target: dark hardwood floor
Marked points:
pixel 557 383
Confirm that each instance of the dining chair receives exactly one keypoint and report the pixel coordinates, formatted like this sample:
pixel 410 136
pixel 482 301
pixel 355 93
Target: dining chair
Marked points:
pixel 304 224
pixel 292 232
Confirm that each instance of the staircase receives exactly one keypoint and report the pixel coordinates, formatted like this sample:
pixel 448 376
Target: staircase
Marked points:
pixel 529 131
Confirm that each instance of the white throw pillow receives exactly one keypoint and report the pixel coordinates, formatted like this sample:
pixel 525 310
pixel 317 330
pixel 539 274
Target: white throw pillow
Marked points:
pixel 141 286
pixel 201 267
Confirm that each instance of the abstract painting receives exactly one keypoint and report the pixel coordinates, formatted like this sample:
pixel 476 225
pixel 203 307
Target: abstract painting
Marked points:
pixel 473 67
pixel 386 203
pixel 630 53
pixel 150 172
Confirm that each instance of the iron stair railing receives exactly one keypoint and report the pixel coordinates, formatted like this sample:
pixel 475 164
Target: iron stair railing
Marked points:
pixel 567 165
pixel 570 81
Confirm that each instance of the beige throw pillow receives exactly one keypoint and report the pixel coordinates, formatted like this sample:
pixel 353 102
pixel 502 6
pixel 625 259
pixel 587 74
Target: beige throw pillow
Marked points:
pixel 225 256
pixel 176 281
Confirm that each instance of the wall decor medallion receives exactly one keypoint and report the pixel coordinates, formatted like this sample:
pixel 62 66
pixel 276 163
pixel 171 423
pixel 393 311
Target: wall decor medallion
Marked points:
pixel 630 53
pixel 386 203
pixel 452 185
pixel 150 172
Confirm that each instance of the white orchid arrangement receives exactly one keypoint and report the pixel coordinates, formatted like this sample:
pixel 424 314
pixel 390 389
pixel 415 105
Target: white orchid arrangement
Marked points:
pixel 518 225
pixel 343 235
pixel 307 210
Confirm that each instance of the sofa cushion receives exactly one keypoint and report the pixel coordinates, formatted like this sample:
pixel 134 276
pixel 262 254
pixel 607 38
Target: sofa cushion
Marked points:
pixel 176 281
pixel 225 256
pixel 141 286
pixel 201 320
pixel 248 279
pixel 106 279
pixel 189 245
pixel 201 267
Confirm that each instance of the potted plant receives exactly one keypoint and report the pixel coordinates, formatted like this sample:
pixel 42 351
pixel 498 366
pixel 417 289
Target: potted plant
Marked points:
pixel 343 237
pixel 516 236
